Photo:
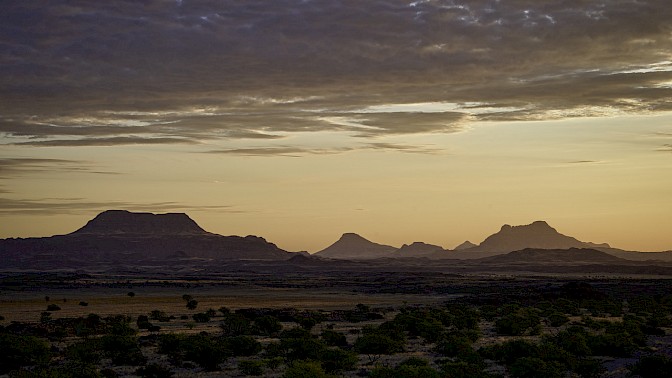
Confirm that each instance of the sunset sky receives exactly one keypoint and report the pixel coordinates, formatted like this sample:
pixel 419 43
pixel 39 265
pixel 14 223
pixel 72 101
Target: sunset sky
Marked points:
pixel 299 120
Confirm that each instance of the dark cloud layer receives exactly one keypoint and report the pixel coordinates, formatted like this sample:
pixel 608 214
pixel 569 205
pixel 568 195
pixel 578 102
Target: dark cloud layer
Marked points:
pixel 12 167
pixel 59 206
pixel 123 72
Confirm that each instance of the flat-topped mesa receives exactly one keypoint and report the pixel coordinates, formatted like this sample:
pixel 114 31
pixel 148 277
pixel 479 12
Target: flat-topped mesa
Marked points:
pixel 122 222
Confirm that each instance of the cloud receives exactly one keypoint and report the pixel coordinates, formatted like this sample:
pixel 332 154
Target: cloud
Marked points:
pixel 59 206
pixel 157 71
pixel 11 167
pixel 115 141
pixel 294 151
pixel 584 162
pixel 665 148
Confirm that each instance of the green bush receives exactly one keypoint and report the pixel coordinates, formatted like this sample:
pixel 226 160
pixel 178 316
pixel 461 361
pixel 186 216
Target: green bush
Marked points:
pixel 531 367
pixel 301 348
pixel 410 368
pixel 510 351
pixel 333 338
pixel 201 317
pixel 334 360
pixel 192 304
pixel 463 369
pixel 123 350
pixel 453 345
pixel 87 352
pixel 573 340
pixel 235 325
pixel 268 325
pixel 154 371
pixel 53 307
pixel 656 366
pixel 204 351
pixel 17 351
pixel 242 345
pixel 589 368
pixel 305 369
pixel 377 344
pixel 518 323
pixel 557 319
pixel 249 367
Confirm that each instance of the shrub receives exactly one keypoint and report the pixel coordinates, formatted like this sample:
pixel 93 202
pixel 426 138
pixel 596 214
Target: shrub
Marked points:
pixel 143 322
pixel 249 367
pixel 154 371
pixel 510 351
pixel 83 304
pixel 159 315
pixel 242 345
pixel 377 344
pixel 333 338
pixel 410 368
pixel 120 325
pixel 531 367
pixel 45 317
pixel 656 366
pixel 211 312
pixel 235 325
pixel 589 368
pixel 18 351
pixel 201 317
pixel 453 345
pixel 304 369
pixel 334 360
pixel 574 341
pixel 53 307
pixel 557 319
pixel 123 350
pixel 516 324
pixel 268 325
pixel 463 369
pixel 192 304
pixel 203 350
pixel 87 352
pixel 301 348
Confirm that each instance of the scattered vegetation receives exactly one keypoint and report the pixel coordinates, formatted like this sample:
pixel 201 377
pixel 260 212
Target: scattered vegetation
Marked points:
pixel 567 330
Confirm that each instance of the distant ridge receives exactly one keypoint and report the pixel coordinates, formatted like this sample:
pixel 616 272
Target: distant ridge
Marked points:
pixel 418 249
pixel 554 256
pixel 353 246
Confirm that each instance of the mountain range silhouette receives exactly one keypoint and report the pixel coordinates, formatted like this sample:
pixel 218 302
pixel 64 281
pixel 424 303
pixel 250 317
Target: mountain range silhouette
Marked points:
pixel 119 237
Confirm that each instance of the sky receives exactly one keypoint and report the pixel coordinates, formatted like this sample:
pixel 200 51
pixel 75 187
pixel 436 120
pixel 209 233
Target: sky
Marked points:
pixel 299 120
